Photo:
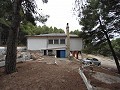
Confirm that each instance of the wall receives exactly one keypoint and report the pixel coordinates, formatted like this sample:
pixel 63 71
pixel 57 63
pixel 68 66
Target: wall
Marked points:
pixel 75 44
pixel 36 43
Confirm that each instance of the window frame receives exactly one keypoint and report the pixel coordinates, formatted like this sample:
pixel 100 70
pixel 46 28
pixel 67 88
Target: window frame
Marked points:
pixel 57 41
pixel 51 41
pixel 61 41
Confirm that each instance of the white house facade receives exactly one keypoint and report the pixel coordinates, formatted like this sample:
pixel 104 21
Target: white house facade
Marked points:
pixel 54 43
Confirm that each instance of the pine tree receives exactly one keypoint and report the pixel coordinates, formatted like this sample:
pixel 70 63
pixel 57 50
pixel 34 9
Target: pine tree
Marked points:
pixel 100 20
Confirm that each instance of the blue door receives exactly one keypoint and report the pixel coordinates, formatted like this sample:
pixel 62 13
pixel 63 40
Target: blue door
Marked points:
pixel 62 54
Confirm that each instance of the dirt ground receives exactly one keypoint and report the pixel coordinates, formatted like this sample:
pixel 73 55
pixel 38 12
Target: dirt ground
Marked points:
pixel 102 78
pixel 45 73
pixel 50 73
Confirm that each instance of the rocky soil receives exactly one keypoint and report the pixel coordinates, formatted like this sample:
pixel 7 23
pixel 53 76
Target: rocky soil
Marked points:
pixel 50 73
pixel 44 73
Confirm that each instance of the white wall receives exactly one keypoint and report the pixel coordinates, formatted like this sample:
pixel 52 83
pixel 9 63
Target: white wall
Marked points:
pixel 56 45
pixel 75 44
pixel 36 43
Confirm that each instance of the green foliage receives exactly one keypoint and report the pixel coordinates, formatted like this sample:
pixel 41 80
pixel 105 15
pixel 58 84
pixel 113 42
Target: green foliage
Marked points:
pixel 104 49
pixel 77 32
pixel 108 11
pixel 116 46
pixel 5 13
pixel 28 17
pixel 81 34
pixel 30 29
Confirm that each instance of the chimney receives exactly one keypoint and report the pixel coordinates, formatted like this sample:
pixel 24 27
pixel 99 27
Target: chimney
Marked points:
pixel 68 42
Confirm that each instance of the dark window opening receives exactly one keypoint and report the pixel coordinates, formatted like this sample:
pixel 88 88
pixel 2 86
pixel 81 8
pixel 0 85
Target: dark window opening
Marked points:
pixel 56 41
pixel 62 41
pixel 50 41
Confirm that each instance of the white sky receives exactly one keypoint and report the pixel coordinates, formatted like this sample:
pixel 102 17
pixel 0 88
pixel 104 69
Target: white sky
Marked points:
pixel 60 12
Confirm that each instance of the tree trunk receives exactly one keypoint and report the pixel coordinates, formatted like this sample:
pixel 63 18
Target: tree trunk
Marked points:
pixel 110 45
pixel 10 62
pixel 0 38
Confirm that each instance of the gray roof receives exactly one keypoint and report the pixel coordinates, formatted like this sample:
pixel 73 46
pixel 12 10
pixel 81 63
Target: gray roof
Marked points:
pixel 53 34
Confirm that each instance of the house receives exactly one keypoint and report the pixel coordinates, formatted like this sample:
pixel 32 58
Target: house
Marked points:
pixel 59 44
pixel 54 43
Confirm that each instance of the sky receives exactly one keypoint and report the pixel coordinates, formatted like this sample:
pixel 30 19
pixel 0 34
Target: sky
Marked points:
pixel 60 12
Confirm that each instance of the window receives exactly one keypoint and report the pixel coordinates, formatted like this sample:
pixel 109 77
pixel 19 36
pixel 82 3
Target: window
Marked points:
pixel 50 41
pixel 62 41
pixel 56 41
